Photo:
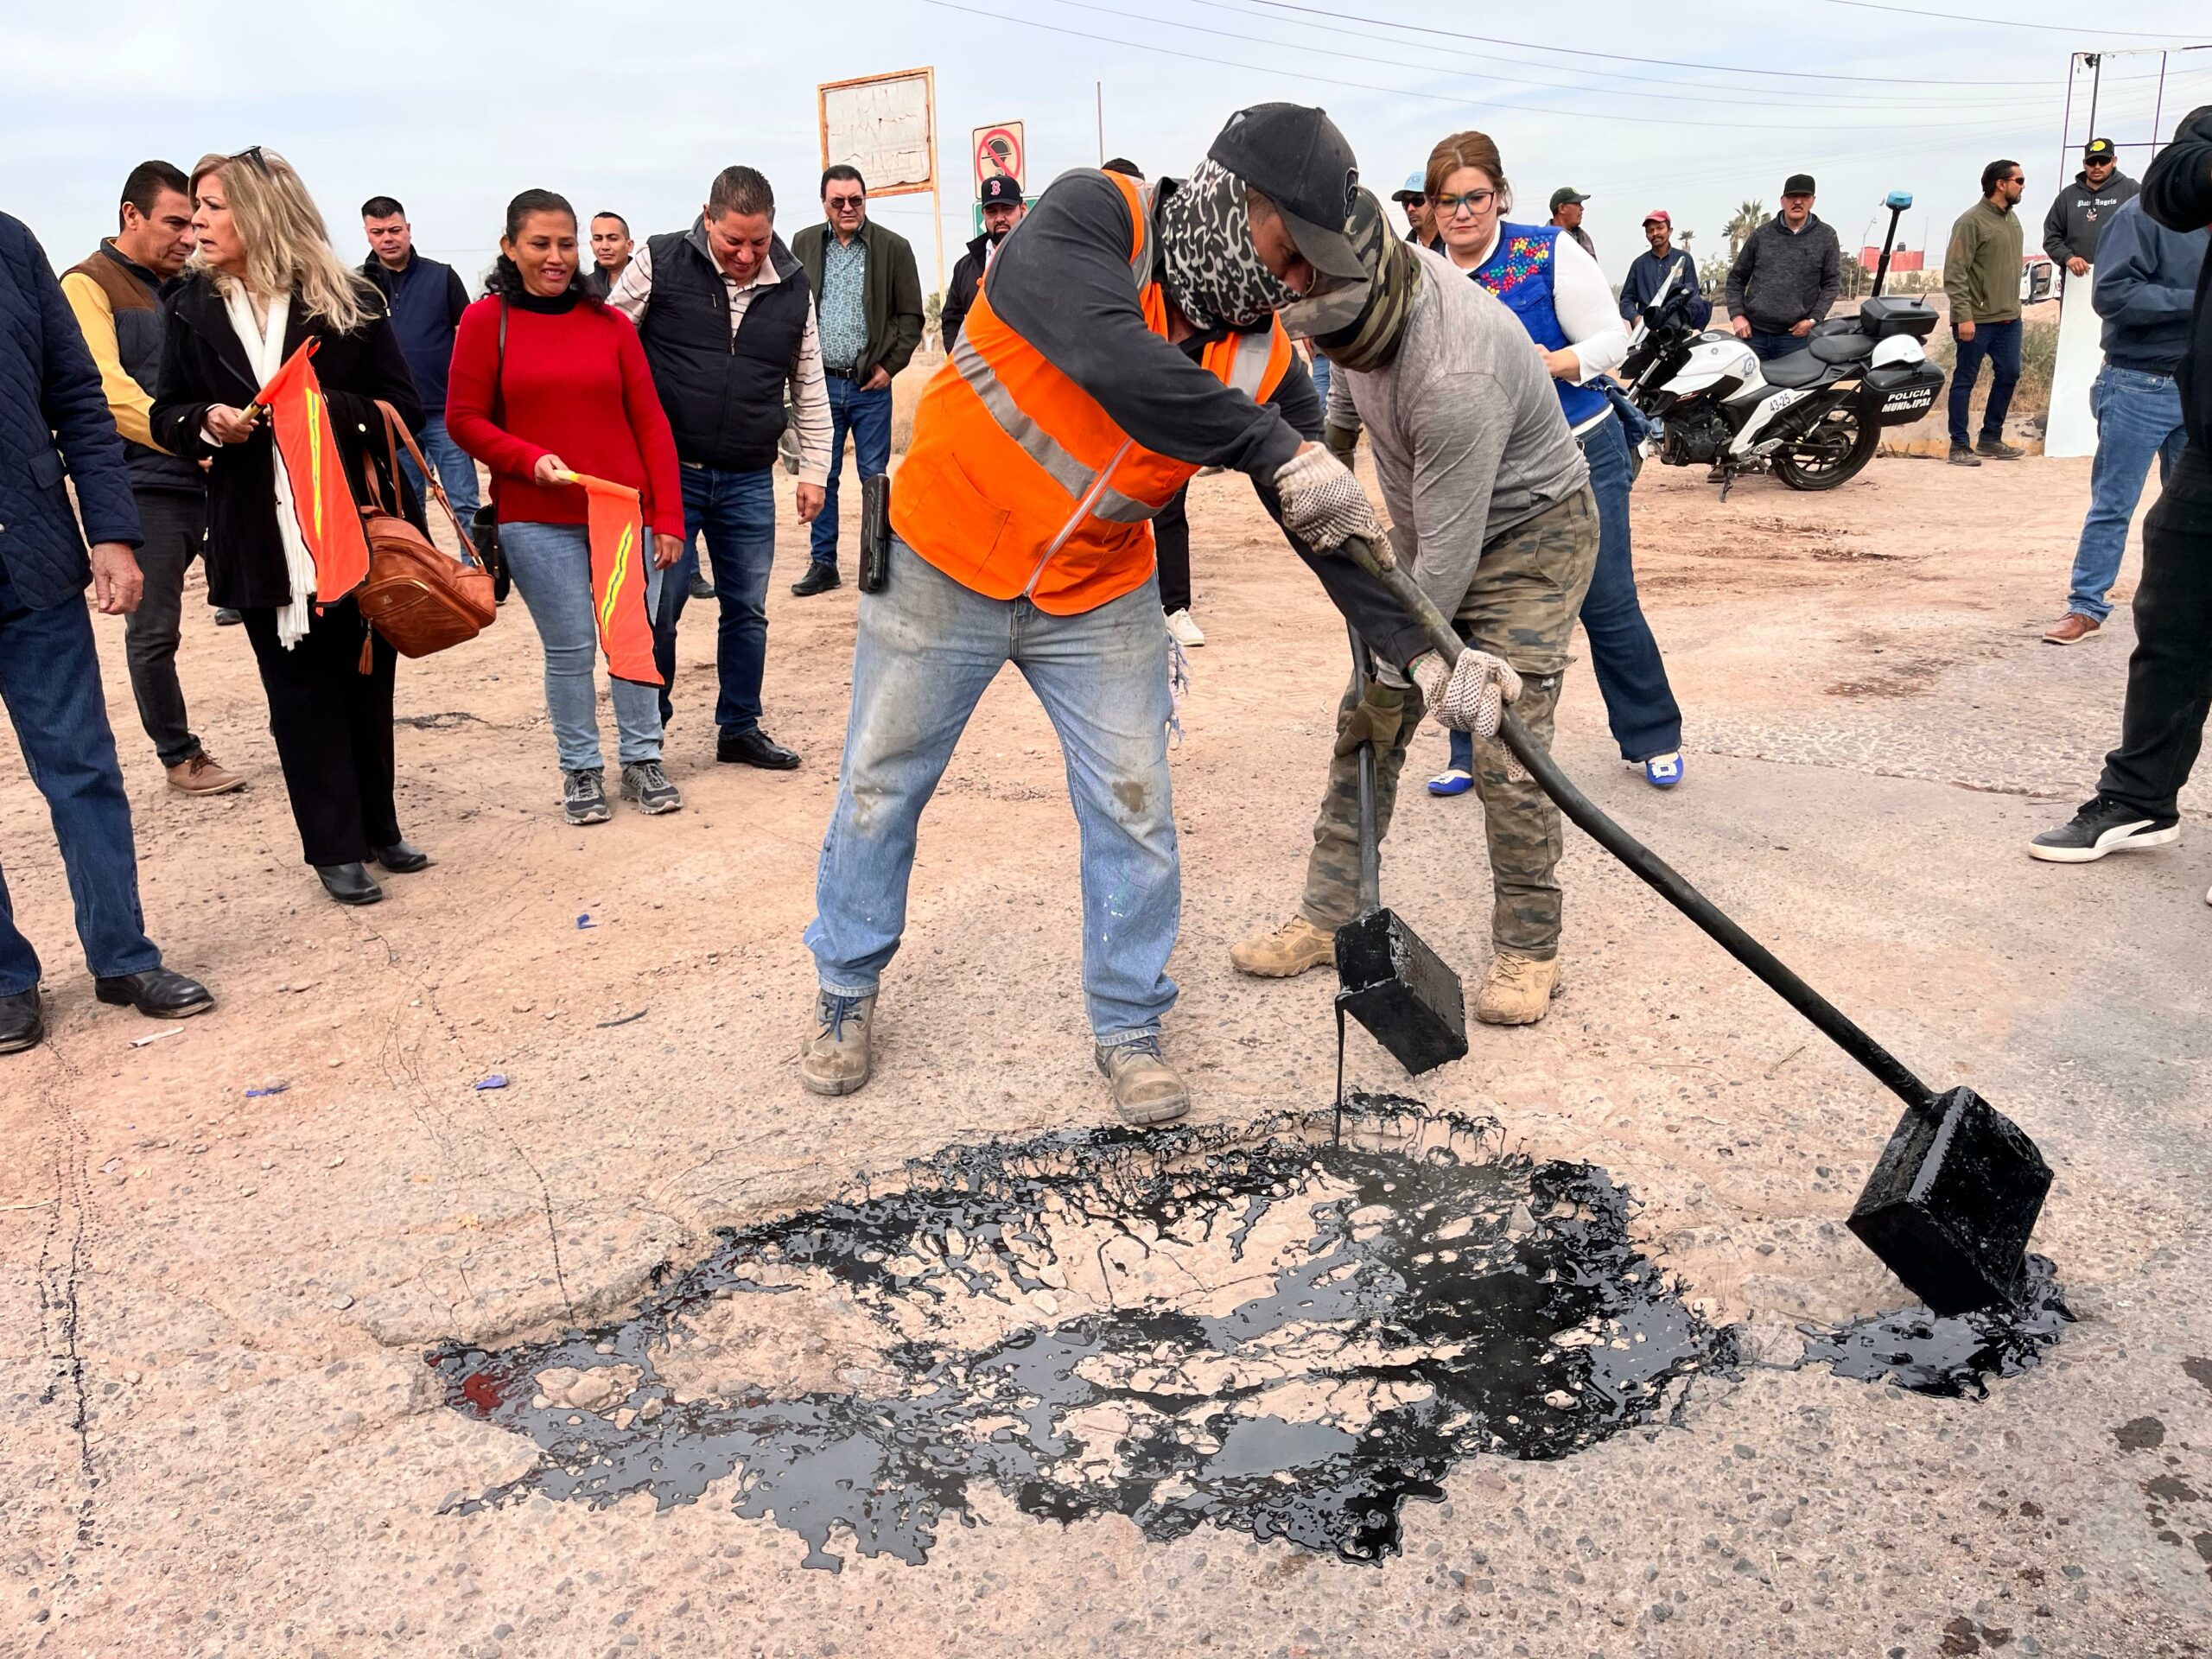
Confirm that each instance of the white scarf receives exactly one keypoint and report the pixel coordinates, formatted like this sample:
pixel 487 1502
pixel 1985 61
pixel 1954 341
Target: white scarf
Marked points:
pixel 263 340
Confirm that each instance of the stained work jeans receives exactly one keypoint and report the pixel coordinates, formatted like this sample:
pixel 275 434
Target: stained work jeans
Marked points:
pixel 926 649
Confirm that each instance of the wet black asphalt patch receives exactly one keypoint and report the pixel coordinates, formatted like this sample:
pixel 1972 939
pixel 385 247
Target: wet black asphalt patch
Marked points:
pixel 1258 1327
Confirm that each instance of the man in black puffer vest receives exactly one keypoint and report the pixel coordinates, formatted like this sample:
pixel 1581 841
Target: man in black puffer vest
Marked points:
pixel 728 322
pixel 117 295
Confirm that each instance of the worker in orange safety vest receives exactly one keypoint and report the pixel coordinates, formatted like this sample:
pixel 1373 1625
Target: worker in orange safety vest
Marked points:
pixel 1124 338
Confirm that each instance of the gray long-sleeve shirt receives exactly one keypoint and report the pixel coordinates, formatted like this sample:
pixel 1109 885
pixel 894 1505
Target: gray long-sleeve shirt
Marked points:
pixel 1468 436
pixel 1784 277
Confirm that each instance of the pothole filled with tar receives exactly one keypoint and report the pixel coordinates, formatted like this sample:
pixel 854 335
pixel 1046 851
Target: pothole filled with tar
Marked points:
pixel 1950 1357
pixel 1263 1328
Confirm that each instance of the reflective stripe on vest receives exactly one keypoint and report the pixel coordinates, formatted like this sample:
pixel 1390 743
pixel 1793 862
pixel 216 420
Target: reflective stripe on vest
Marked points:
pixel 1018 482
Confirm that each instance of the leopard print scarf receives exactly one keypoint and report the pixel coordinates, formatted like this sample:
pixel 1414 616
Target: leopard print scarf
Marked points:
pixel 1207 261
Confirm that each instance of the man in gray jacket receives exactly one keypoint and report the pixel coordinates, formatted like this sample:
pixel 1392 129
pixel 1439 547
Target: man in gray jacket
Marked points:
pixel 2080 213
pixel 1787 276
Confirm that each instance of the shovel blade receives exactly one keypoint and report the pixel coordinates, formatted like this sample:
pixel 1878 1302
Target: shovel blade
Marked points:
pixel 1951 1204
pixel 1401 991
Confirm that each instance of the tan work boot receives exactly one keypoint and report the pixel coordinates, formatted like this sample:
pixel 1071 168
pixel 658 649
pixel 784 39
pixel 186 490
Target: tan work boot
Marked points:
pixel 835 1059
pixel 1145 1089
pixel 201 776
pixel 1289 951
pixel 1518 990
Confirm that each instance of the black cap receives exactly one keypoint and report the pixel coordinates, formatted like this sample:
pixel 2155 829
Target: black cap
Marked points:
pixel 1000 187
pixel 1294 156
pixel 2100 149
pixel 1566 196
pixel 1798 184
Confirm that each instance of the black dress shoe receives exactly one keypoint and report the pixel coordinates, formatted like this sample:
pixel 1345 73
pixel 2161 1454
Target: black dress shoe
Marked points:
pixel 402 857
pixel 227 617
pixel 700 588
pixel 754 748
pixel 159 993
pixel 819 579
pixel 349 884
pixel 20 1025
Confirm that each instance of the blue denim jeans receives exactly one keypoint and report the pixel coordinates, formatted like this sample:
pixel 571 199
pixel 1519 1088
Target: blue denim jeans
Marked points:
pixel 736 513
pixel 1769 346
pixel 927 648
pixel 50 680
pixel 866 416
pixel 2138 416
pixel 2000 343
pixel 1640 705
pixel 457 471
pixel 551 567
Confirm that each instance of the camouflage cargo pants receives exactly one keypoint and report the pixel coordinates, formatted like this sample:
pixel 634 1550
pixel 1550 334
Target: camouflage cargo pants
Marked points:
pixel 1527 590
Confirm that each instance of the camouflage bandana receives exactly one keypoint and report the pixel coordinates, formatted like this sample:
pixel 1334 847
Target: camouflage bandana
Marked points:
pixel 1207 260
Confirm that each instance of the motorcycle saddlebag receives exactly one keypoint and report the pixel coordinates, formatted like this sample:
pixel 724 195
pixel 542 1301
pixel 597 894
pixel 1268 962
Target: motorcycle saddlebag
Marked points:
pixel 1905 391
pixel 1896 313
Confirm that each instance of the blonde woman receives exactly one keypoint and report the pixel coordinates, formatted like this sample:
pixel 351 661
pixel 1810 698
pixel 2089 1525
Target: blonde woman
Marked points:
pixel 266 279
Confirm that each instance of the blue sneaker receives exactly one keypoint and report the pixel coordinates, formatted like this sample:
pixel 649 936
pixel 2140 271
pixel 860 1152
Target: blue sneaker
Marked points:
pixel 1663 771
pixel 1454 782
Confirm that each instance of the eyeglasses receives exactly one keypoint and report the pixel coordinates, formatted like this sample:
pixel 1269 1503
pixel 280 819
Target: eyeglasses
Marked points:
pixel 1474 201
pixel 253 158
pixel 843 204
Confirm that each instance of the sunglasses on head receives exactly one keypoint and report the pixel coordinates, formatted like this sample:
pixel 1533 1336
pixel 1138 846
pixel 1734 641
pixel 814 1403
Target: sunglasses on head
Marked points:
pixel 253 158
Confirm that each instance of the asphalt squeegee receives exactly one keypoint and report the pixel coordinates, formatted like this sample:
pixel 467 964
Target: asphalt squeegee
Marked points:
pixel 1955 1194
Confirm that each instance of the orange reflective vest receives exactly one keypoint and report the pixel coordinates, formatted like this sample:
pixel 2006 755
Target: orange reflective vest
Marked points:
pixel 1018 483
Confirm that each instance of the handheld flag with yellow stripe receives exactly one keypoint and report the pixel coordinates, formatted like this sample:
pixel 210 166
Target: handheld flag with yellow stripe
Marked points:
pixel 620 550
pixel 330 522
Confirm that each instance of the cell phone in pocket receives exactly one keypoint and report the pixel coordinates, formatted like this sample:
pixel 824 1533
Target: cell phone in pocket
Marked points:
pixel 875 533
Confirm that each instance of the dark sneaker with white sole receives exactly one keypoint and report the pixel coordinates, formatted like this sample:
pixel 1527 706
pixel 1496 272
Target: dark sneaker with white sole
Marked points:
pixel 644 782
pixel 583 796
pixel 2102 826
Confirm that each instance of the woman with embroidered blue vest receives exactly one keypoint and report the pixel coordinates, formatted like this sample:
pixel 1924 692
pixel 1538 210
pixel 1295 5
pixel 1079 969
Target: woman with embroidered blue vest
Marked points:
pixel 1562 299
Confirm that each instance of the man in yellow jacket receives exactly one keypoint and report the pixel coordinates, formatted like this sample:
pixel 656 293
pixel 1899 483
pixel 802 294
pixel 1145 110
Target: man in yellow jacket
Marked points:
pixel 1124 338
pixel 117 295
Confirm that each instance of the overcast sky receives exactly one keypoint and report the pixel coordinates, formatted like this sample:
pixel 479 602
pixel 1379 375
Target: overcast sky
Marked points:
pixel 453 108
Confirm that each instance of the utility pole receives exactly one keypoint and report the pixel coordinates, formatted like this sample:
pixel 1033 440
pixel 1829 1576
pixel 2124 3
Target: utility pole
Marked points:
pixel 1099 88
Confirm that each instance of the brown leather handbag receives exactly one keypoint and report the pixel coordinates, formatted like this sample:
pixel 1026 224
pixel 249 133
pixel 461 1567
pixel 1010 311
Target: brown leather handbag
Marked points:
pixel 418 596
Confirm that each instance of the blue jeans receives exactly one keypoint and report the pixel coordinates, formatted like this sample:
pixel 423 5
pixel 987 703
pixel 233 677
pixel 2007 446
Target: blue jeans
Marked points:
pixel 866 416
pixel 925 650
pixel 50 680
pixel 2138 415
pixel 736 513
pixel 1320 372
pixel 2000 343
pixel 457 471
pixel 551 567
pixel 1640 705
pixel 1769 346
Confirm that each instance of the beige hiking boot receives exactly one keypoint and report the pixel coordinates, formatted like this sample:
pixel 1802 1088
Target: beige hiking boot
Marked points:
pixel 1290 949
pixel 200 775
pixel 1518 990
pixel 1145 1089
pixel 835 1058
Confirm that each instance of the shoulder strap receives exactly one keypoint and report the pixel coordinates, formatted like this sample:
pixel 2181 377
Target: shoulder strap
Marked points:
pixel 395 433
pixel 499 374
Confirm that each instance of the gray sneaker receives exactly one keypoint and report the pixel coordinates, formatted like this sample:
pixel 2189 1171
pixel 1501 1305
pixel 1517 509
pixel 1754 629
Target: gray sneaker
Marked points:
pixel 836 1058
pixel 583 797
pixel 644 782
pixel 1145 1089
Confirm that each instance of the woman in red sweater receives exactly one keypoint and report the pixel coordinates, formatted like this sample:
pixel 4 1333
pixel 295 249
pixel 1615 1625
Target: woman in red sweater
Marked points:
pixel 547 380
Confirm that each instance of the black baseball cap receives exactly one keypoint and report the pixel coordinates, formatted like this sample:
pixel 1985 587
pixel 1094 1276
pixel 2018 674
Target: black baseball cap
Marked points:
pixel 2100 149
pixel 1294 155
pixel 1798 184
pixel 1000 187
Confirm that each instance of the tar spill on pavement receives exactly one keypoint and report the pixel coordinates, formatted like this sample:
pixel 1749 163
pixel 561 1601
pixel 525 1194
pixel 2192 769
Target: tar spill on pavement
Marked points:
pixel 1950 1357
pixel 1270 1328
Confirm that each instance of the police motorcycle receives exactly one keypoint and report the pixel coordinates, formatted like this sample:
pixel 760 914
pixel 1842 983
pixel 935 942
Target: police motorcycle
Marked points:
pixel 1813 418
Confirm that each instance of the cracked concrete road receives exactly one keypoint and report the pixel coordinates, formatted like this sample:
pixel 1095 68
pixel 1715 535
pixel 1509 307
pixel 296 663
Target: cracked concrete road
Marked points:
pixel 218 1435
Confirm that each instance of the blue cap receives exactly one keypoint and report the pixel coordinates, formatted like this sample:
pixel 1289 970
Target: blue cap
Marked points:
pixel 1415 184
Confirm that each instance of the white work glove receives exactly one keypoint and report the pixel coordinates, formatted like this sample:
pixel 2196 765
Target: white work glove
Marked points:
pixel 1322 503
pixel 1469 697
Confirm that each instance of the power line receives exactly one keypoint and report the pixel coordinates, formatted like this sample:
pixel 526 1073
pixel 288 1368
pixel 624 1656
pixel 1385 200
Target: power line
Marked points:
pixel 1455 101
pixel 1623 57
pixel 2074 29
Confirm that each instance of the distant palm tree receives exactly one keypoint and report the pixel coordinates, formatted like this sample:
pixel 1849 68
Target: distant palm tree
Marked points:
pixel 1749 217
pixel 1683 238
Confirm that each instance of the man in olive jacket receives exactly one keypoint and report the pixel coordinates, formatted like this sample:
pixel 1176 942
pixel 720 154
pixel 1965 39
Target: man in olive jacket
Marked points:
pixel 1981 279
pixel 867 302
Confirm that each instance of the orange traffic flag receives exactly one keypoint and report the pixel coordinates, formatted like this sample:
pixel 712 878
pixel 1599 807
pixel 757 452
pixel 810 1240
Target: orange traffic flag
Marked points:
pixel 330 522
pixel 620 548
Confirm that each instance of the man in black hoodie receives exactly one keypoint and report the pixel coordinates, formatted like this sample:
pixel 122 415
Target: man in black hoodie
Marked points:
pixel 2080 213
pixel 1002 208
pixel 2170 675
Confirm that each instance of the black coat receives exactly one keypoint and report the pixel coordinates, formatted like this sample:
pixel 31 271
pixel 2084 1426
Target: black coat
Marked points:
pixel 960 295
pixel 203 363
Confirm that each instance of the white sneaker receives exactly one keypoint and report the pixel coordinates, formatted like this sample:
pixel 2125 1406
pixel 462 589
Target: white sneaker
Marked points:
pixel 1183 630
